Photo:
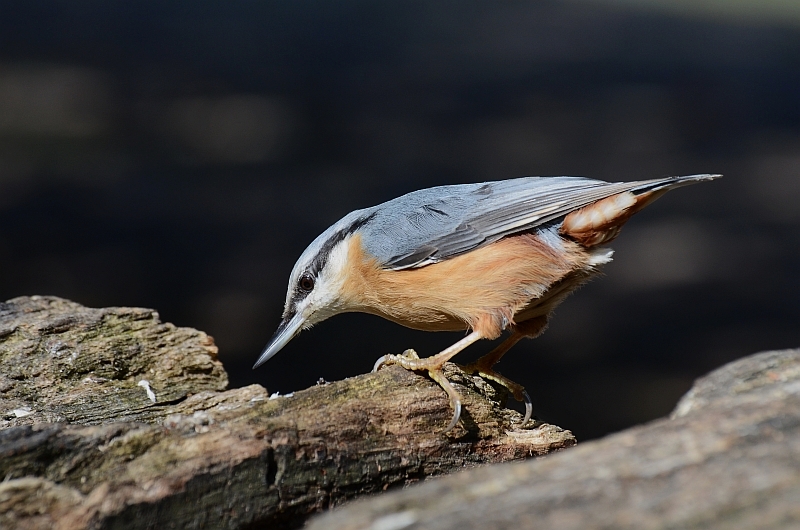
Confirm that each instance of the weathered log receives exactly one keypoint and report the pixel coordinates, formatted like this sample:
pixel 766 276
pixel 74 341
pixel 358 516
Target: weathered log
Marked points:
pixel 63 362
pixel 85 443
pixel 729 457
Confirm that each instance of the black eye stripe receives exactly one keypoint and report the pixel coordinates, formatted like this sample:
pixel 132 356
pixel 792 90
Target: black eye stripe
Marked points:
pixel 302 289
pixel 322 256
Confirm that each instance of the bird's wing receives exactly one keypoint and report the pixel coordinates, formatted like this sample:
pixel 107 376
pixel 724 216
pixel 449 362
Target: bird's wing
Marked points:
pixel 435 224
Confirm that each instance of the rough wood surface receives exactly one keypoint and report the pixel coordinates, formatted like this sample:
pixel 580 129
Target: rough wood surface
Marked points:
pixel 62 362
pixel 728 458
pixel 84 445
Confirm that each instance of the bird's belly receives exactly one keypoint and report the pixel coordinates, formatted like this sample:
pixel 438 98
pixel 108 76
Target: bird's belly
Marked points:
pixel 435 319
pixel 484 289
pixel 425 319
pixel 543 305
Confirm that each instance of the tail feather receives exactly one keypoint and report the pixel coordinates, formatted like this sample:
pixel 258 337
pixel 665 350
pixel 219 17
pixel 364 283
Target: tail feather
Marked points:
pixel 601 221
pixel 670 183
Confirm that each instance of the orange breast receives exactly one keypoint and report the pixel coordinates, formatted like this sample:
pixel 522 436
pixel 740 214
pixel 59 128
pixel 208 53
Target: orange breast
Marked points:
pixel 482 289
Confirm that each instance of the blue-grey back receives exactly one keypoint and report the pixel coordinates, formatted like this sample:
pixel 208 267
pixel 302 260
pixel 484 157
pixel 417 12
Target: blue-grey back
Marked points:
pixel 438 223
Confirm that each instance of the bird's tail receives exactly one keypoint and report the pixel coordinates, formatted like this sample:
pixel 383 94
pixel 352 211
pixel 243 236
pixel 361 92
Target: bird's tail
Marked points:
pixel 670 183
pixel 600 221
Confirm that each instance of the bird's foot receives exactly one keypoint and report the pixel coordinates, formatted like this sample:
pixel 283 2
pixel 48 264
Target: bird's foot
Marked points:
pixel 402 360
pixel 518 391
pixel 411 361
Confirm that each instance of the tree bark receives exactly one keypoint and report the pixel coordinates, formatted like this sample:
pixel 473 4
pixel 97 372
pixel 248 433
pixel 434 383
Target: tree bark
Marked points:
pixel 112 419
pixel 728 458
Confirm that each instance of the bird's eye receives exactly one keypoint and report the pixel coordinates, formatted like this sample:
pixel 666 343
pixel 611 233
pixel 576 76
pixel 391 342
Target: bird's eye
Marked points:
pixel 306 282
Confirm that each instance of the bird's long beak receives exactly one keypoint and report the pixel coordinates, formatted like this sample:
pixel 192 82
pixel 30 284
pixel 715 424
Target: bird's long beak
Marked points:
pixel 288 328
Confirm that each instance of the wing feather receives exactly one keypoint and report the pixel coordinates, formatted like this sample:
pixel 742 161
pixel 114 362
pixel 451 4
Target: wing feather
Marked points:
pixel 435 224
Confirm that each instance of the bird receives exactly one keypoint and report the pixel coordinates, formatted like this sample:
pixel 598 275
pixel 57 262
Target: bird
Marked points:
pixel 481 258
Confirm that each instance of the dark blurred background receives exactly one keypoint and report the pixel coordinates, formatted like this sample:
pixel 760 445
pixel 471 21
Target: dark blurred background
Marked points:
pixel 180 156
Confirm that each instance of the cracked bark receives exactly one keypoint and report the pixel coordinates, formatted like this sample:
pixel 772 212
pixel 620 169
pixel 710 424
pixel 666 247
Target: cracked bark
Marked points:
pixel 727 458
pixel 111 419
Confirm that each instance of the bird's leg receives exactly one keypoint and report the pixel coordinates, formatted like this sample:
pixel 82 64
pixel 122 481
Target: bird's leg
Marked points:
pixel 484 366
pixel 433 365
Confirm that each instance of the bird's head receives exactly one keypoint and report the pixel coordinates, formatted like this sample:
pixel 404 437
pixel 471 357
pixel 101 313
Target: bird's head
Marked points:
pixel 315 284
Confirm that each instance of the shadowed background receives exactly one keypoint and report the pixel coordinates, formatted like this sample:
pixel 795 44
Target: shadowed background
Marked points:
pixel 181 156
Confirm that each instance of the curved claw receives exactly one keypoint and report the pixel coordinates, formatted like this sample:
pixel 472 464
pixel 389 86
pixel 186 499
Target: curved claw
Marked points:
pixel 456 416
pixel 528 408
pixel 380 362
pixel 455 399
pixel 405 360
pixel 519 393
pixel 411 361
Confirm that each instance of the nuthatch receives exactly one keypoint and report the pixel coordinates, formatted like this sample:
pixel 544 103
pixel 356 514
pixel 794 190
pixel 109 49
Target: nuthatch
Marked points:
pixel 478 257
